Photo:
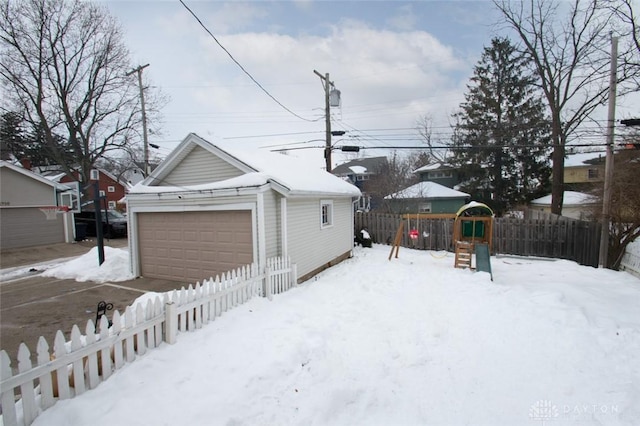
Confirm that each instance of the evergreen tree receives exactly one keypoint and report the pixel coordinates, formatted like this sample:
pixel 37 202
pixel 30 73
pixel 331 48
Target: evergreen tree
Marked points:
pixel 501 139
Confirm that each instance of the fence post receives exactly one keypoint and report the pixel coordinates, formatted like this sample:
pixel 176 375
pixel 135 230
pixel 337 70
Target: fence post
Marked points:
pixel 294 274
pixel 170 323
pixel 267 283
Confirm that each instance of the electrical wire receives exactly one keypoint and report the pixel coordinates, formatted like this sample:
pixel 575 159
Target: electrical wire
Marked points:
pixel 240 65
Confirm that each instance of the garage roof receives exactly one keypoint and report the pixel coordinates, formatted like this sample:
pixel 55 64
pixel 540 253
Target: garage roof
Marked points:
pixel 289 175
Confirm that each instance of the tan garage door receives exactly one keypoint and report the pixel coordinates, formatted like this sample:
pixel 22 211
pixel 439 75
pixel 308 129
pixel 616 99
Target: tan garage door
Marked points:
pixel 192 246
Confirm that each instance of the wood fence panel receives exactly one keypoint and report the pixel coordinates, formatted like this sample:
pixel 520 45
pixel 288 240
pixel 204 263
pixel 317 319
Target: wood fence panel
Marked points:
pixel 538 234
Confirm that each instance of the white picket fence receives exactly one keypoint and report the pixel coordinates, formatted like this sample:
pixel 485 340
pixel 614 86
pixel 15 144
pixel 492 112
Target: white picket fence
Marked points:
pixel 631 259
pixel 85 361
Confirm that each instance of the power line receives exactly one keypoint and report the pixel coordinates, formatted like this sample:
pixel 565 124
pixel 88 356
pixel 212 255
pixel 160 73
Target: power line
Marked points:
pixel 239 65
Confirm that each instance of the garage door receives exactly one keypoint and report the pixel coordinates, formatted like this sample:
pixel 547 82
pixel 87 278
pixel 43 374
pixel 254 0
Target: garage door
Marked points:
pixel 192 246
pixel 28 226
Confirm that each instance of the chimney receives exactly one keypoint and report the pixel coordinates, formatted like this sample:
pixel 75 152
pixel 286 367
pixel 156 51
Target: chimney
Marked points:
pixel 26 163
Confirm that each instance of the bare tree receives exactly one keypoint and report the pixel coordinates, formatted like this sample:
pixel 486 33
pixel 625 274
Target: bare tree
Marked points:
pixel 436 148
pixel 570 54
pixel 623 10
pixel 63 65
pixel 625 203
pixel 395 175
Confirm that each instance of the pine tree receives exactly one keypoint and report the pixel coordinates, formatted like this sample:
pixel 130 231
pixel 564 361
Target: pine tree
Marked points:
pixel 501 139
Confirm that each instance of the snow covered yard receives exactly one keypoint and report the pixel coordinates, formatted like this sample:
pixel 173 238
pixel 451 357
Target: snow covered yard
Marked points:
pixel 411 341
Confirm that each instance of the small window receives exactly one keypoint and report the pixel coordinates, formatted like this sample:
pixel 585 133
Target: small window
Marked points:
pixel 593 173
pixel 102 193
pixel 111 188
pixel 363 177
pixel 94 174
pixel 424 208
pixel 112 205
pixel 326 213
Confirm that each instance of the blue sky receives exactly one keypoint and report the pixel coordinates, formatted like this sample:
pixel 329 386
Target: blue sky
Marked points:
pixel 393 61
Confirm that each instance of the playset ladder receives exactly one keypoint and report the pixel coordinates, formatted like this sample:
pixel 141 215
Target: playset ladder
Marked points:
pixel 464 250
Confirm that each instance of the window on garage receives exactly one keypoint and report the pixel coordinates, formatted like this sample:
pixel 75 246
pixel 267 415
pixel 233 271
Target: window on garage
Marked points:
pixel 326 213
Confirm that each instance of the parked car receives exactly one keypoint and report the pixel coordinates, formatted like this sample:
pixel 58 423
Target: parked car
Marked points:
pixel 114 223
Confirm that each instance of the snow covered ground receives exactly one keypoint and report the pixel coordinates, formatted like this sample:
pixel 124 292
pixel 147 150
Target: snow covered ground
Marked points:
pixel 411 341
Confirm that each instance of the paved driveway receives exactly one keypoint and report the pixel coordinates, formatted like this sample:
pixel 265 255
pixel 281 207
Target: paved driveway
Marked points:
pixel 36 306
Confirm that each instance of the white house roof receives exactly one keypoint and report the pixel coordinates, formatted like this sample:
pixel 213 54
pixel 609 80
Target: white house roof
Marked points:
pixel 579 159
pixel 571 198
pixel 427 190
pixel 297 176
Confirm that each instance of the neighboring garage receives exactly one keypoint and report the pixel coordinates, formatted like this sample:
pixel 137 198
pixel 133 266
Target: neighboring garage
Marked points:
pixel 194 245
pixel 28 204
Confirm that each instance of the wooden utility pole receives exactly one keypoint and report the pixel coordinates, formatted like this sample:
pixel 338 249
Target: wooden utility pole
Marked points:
pixel 327 118
pixel 608 168
pixel 144 118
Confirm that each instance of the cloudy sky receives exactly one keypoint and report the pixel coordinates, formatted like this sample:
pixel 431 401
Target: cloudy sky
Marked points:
pixel 393 62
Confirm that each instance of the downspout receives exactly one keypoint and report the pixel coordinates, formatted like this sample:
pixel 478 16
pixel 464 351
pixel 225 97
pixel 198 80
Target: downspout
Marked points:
pixel 262 247
pixel 284 225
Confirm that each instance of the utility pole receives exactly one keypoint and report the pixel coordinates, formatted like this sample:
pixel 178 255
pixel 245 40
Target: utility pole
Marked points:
pixel 327 118
pixel 608 168
pixel 144 118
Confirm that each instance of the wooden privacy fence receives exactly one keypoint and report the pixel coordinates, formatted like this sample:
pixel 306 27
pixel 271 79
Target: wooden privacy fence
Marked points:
pixel 544 236
pixel 85 361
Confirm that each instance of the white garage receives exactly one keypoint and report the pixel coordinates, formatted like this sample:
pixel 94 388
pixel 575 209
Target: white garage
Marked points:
pixel 206 211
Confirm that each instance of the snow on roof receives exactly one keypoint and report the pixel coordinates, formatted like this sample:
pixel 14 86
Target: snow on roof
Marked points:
pixel 427 190
pixel 248 180
pixel 298 175
pixel 294 174
pixel 358 169
pixel 429 167
pixel 579 159
pixel 571 198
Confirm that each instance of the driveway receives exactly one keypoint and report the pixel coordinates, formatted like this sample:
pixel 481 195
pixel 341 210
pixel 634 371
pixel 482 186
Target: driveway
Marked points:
pixel 32 306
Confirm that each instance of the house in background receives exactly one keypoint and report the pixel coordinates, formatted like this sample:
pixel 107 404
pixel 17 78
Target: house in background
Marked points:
pixel 360 172
pixel 440 173
pixel 576 205
pixel 207 210
pixel 426 197
pixel 583 170
pixel 28 209
pixel 109 186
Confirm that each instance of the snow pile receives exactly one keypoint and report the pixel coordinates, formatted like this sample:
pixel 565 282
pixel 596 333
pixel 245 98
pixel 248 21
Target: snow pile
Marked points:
pixel 116 267
pixel 411 341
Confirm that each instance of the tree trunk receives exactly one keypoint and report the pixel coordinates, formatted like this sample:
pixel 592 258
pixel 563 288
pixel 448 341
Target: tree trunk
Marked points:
pixel 557 184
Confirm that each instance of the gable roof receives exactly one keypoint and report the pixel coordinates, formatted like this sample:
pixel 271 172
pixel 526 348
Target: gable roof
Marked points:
pixel 360 166
pixel 427 189
pixel 29 174
pixel 288 175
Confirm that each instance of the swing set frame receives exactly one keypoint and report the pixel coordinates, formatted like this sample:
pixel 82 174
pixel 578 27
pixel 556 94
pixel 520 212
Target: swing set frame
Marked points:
pixel 417 216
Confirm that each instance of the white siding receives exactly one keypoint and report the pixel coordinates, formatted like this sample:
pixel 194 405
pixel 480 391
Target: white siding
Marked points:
pixel 311 247
pixel 272 224
pixel 26 227
pixel 172 204
pixel 200 166
pixel 18 190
